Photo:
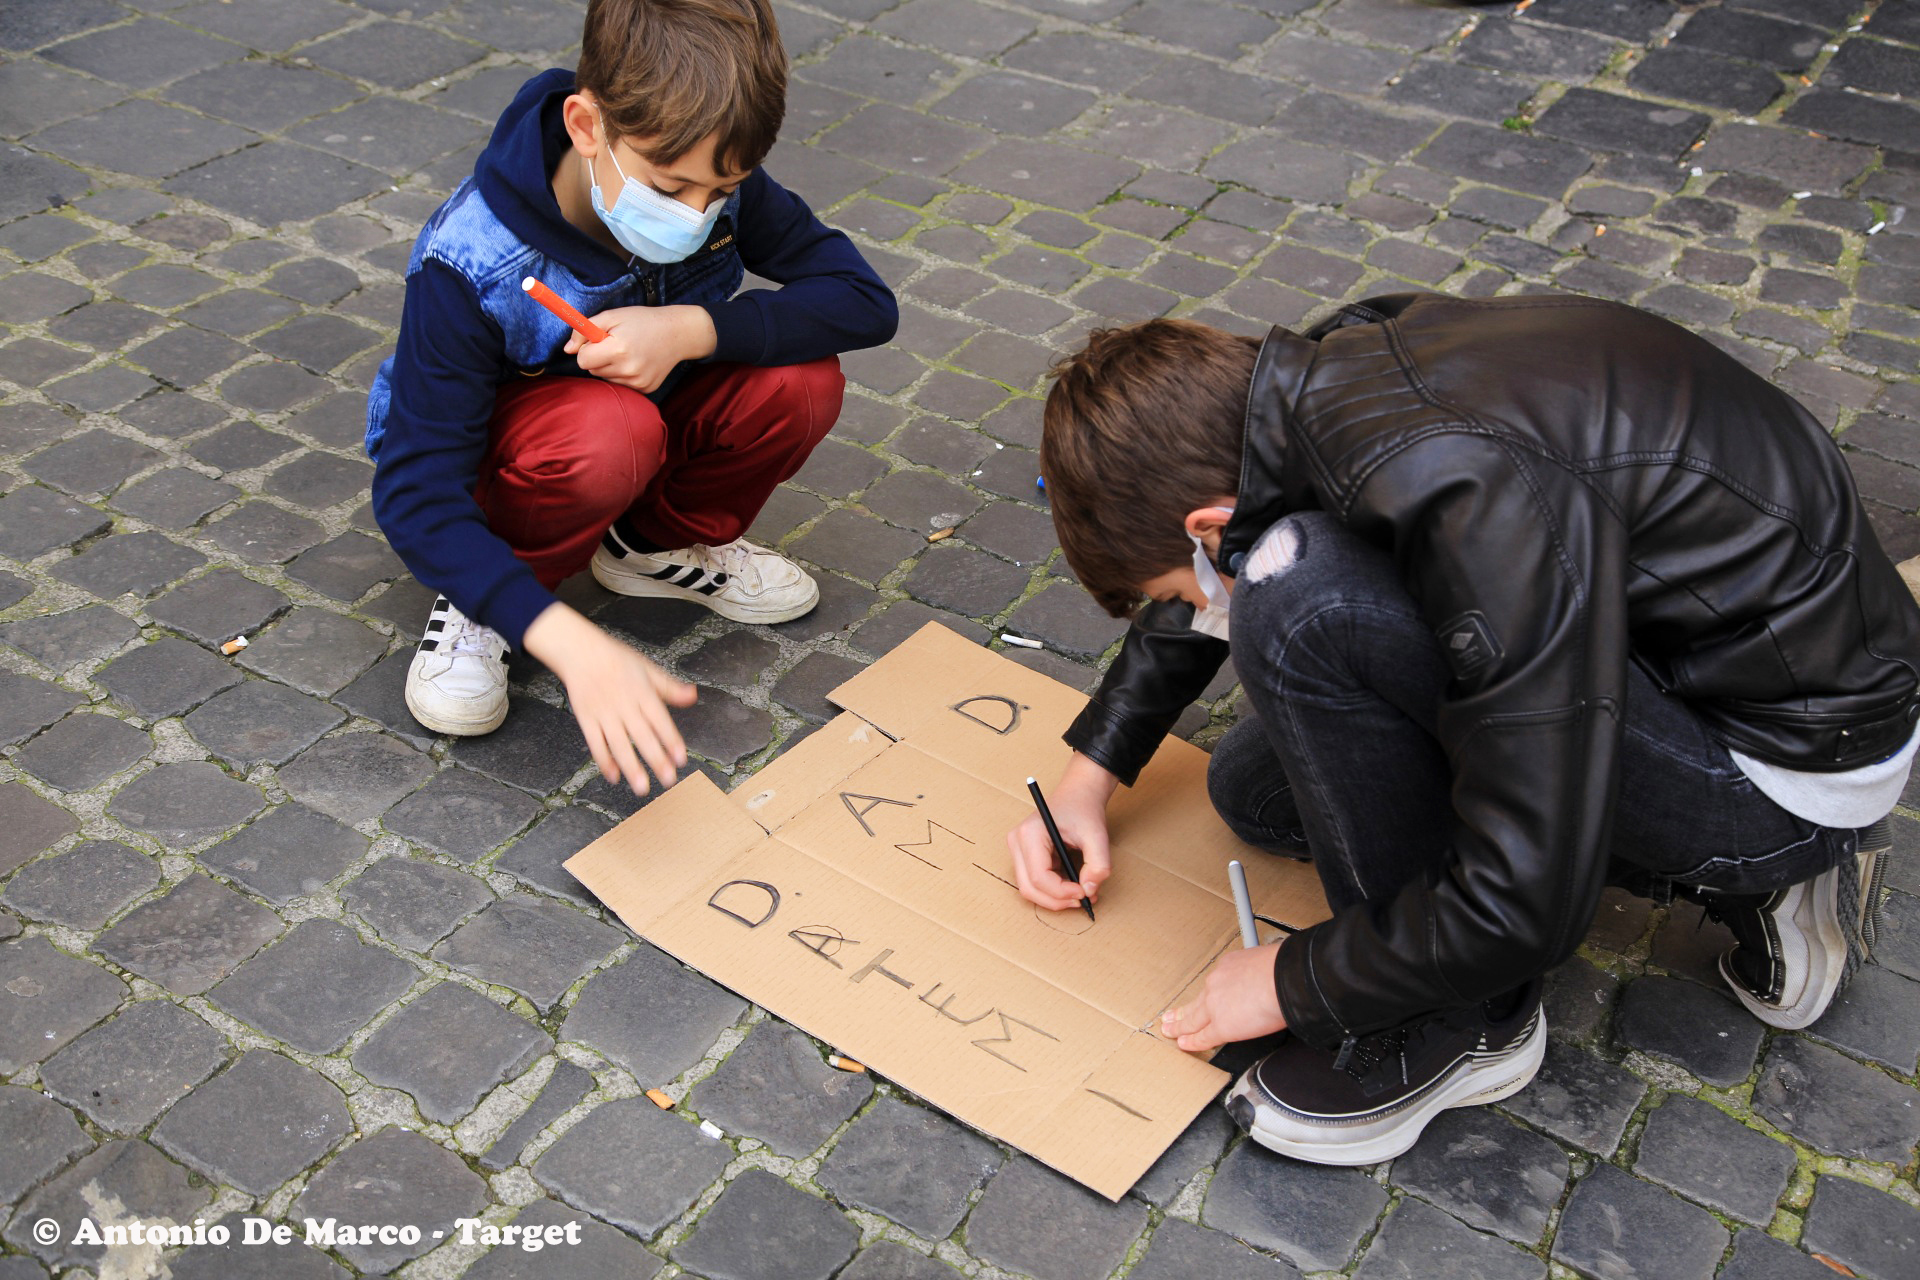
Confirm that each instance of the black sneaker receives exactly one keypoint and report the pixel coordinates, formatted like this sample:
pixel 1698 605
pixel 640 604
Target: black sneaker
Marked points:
pixel 1796 948
pixel 1369 1101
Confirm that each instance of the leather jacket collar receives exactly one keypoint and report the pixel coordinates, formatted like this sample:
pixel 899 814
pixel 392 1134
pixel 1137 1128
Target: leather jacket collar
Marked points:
pixel 1278 374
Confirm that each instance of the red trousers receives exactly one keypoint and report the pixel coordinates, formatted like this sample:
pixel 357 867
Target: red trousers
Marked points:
pixel 567 456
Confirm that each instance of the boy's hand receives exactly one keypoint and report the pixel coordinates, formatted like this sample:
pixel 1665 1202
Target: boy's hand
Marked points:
pixel 1238 1001
pixel 1079 805
pixel 643 344
pixel 619 698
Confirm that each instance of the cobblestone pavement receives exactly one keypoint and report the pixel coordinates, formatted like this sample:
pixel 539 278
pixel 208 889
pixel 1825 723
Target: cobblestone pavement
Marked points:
pixel 275 951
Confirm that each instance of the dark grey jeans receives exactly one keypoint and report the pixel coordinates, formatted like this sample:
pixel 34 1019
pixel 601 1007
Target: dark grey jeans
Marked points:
pixel 1338 759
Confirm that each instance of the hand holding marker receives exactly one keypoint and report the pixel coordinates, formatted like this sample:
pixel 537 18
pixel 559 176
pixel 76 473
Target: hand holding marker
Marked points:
pixel 560 307
pixel 1062 856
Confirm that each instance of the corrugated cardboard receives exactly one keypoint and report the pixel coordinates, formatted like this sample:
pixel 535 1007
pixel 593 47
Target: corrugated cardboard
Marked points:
pixel 859 887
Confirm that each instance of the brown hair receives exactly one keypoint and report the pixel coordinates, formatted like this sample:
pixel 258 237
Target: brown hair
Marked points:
pixel 674 71
pixel 1142 425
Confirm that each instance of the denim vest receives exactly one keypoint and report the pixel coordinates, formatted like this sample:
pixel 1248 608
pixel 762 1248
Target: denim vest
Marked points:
pixel 464 234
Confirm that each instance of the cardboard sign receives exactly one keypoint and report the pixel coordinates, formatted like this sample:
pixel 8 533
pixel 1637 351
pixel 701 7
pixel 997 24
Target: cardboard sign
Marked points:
pixel 859 887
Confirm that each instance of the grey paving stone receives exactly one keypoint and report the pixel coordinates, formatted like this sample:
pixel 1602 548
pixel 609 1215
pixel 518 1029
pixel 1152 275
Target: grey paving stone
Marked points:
pixel 128 1172
pixel 737 658
pixel 1690 945
pixel 40 1135
pixel 1487 1171
pixel 1032 1220
pixel 317 480
pixel 182 804
pixel 538 857
pixel 1616 1224
pixel 394 55
pixel 142 54
pixel 104 326
pixel 1835 1104
pixel 274 182
pixel 1066 620
pixel 1864 1229
pixel 91 462
pixel 413 903
pixel 165 677
pixel 902 619
pixel 50 997
pixel 187 357
pixel 84 887
pixel 393 1167
pixel 565 1088
pixel 171 414
pixel 260 722
pixel 886 1260
pixel 1578 999
pixel 532 945
pixel 355 776
pixel 590 1166
pixel 910 1164
pixel 1877 1017
pixel 602 1254
pixel 291 852
pixel 1898 946
pixel 1785 155
pixel 237 1260
pixel 1579 1098
pixel 1758 1256
pixel 34 520
pixel 345 567
pixel 1197 1148
pixel 263 1120
pixel 190 938
pixel 28 825
pixel 1419 1242
pixel 721 728
pixel 651 1015
pixel 83 751
pixel 1706 1155
pixel 761 1228
pixel 216 607
pixel 314 280
pixel 1501 158
pixel 275 991
pixel 174 498
pixel 804 689
pixel 1182 1251
pixel 854 544
pixel 461 814
pixel 1698 1027
pixel 776 1087
pixel 140 563
pixel 539 749
pixel 144 138
pixel 448 1048
pixel 314 650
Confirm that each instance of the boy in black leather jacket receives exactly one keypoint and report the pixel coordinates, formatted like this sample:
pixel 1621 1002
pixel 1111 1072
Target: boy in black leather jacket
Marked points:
pixel 1528 596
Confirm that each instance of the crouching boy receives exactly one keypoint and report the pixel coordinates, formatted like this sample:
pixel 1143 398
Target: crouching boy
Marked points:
pixel 511 453
pixel 1528 596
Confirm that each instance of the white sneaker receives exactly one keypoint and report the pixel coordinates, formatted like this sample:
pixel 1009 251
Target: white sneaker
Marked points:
pixel 738 580
pixel 458 681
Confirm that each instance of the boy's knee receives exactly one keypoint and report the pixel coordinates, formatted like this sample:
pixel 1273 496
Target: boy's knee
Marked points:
pixel 599 454
pixel 815 390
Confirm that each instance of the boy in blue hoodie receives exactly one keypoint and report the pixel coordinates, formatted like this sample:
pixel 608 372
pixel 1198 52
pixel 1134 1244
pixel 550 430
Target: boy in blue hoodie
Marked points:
pixel 510 453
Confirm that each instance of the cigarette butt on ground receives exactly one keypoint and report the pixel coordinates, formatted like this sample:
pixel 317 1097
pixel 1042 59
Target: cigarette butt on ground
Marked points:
pixel 234 645
pixel 938 534
pixel 659 1099
pixel 563 309
pixel 712 1130
pixel 839 1063
pixel 1022 641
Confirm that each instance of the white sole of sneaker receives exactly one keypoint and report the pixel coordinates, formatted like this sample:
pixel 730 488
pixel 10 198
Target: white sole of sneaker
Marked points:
pixel 453 727
pixel 626 584
pixel 1394 1135
pixel 1814 909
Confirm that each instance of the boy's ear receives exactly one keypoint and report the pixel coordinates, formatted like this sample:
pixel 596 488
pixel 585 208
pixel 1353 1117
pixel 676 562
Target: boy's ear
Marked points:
pixel 1203 522
pixel 583 124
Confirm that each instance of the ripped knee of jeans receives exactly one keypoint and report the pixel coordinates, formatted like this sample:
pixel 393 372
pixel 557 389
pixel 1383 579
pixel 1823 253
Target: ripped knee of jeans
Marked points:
pixel 1278 550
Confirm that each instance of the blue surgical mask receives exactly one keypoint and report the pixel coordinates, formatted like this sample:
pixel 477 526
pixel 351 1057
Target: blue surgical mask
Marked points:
pixel 1212 619
pixel 647 224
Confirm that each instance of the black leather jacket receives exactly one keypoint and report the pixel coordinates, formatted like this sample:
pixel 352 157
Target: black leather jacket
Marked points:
pixel 1595 484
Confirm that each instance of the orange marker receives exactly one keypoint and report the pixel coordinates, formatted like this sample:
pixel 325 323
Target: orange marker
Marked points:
pixel 560 307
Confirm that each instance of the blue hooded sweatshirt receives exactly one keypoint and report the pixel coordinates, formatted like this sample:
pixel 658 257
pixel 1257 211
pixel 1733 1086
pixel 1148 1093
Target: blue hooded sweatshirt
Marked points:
pixel 466 328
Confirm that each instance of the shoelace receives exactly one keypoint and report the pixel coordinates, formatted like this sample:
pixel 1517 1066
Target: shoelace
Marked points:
pixel 469 637
pixel 1360 1058
pixel 733 559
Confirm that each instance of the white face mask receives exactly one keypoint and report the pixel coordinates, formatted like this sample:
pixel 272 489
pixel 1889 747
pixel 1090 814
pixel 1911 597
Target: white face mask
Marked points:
pixel 647 224
pixel 1212 619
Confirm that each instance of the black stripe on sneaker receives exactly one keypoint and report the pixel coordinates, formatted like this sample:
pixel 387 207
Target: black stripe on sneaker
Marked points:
pixel 614 546
pixel 661 575
pixel 691 578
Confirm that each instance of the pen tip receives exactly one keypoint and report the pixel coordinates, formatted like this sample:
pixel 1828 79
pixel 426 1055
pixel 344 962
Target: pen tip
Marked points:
pixel 1029 781
pixel 527 284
